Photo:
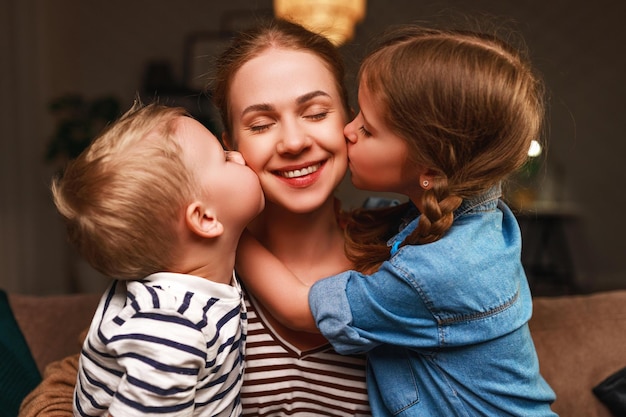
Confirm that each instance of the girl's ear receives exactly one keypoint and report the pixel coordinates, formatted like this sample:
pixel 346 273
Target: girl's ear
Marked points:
pixel 226 141
pixel 426 178
pixel 202 221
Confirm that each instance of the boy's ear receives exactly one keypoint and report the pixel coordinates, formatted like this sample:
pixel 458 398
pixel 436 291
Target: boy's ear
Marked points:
pixel 202 221
pixel 227 142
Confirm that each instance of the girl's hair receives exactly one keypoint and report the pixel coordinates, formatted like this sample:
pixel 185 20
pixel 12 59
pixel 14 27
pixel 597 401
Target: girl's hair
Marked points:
pixel 468 105
pixel 272 33
pixel 123 197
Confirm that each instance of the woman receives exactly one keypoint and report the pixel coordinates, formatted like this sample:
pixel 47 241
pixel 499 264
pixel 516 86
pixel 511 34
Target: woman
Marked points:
pixel 280 90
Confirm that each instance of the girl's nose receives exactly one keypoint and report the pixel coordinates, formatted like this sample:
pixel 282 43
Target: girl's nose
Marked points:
pixel 350 131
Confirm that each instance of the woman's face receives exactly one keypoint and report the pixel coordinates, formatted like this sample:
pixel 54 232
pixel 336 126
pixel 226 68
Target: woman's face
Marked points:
pixel 288 121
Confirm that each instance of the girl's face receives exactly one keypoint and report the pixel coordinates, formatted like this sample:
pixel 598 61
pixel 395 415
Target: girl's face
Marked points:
pixel 288 120
pixel 378 158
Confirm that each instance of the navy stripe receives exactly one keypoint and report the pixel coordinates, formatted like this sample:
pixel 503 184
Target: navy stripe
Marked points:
pixel 133 301
pixel 160 365
pixel 228 316
pixel 223 394
pixel 161 341
pixel 155 297
pixel 110 296
pixel 186 301
pixel 224 320
pixel 99 365
pixel 157 390
pixel 166 318
pixel 142 358
pixel 91 399
pixel 156 410
pixel 78 408
pixel 226 344
pixel 234 351
pixel 210 303
pixel 98 383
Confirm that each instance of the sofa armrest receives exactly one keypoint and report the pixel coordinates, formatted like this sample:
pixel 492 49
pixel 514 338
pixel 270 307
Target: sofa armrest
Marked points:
pixel 52 324
pixel 580 341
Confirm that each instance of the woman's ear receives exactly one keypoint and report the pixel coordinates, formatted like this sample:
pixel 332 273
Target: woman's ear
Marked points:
pixel 202 221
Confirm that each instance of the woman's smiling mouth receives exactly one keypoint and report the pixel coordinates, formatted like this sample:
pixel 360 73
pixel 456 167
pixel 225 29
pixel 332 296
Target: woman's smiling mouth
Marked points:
pixel 301 172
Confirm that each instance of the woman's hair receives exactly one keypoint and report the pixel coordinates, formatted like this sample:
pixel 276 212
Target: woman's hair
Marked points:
pixel 272 33
pixel 468 105
pixel 122 198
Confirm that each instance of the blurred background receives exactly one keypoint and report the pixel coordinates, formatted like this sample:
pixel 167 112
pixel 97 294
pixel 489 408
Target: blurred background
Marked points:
pixel 67 66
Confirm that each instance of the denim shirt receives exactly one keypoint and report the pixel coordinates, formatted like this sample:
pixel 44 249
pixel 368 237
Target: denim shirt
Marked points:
pixel 445 324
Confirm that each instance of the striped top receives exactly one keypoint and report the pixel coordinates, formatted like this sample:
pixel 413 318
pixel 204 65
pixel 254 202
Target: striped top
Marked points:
pixel 281 380
pixel 168 345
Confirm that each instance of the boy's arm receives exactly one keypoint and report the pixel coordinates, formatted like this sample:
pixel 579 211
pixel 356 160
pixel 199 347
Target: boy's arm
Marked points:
pixel 276 287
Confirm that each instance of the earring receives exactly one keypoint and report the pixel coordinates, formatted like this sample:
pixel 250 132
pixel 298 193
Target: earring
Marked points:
pixel 425 184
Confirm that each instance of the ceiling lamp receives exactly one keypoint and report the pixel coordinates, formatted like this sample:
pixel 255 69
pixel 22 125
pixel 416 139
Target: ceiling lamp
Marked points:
pixel 334 19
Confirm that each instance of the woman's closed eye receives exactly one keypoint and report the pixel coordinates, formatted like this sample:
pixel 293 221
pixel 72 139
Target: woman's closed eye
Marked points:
pixel 364 131
pixel 260 123
pixel 317 116
pixel 259 128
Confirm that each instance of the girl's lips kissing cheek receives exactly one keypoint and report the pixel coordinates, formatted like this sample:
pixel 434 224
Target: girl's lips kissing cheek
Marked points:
pixel 300 176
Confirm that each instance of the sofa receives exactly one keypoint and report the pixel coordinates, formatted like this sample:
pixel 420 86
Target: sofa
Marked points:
pixel 580 339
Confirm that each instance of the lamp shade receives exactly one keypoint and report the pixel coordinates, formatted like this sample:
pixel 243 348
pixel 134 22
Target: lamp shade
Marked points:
pixel 334 19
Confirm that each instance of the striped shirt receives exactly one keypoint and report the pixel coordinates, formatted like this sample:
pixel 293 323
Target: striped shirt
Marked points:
pixel 281 380
pixel 168 345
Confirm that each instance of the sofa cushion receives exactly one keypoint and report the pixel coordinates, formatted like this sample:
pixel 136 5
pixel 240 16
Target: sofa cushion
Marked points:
pixel 580 340
pixel 52 324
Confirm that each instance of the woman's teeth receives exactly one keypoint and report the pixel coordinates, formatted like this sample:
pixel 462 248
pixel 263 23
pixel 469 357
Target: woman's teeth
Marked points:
pixel 300 172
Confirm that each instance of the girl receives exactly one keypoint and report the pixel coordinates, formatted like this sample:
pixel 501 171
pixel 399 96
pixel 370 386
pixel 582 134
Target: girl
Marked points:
pixel 444 117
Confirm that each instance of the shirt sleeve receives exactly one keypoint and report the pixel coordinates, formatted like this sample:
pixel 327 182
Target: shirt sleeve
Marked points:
pixel 161 354
pixel 357 312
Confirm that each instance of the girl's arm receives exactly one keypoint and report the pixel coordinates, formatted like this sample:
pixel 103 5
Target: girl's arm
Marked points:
pixel 276 287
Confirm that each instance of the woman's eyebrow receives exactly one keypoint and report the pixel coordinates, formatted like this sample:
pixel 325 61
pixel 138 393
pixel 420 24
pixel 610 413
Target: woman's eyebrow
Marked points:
pixel 310 96
pixel 257 107
pixel 300 100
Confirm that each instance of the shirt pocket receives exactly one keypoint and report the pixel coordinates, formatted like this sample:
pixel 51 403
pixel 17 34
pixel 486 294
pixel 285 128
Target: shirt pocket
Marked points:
pixel 395 378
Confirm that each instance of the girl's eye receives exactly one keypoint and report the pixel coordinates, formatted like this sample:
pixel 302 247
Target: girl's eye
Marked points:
pixel 364 131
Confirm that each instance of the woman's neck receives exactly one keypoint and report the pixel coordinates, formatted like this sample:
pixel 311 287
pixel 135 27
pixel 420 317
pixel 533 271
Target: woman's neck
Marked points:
pixel 310 244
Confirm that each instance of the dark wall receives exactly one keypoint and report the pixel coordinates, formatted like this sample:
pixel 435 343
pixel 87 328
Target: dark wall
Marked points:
pixel 102 48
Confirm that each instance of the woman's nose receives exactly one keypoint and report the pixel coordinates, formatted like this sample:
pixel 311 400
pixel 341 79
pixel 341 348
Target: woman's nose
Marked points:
pixel 294 138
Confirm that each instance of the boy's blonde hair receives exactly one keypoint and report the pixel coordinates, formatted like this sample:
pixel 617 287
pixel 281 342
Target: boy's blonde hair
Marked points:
pixel 124 196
